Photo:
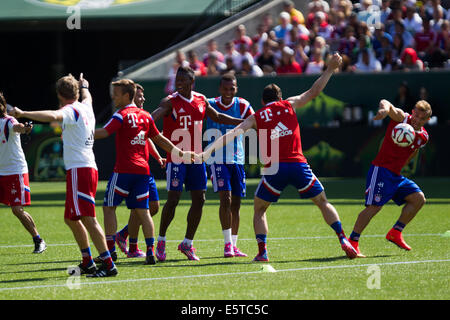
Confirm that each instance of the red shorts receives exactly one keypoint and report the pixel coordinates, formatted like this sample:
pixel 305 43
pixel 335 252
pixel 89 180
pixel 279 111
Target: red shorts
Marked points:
pixel 80 194
pixel 15 190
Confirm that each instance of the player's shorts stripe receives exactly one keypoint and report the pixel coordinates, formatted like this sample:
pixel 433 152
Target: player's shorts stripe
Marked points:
pixel 373 180
pixel 169 175
pixel 74 191
pixel 270 188
pixel 120 191
pixel 110 199
pixel 214 179
pixel 86 197
pixel 143 196
pixel 22 190
pixel 309 185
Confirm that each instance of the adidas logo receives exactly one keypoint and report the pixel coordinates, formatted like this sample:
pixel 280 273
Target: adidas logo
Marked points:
pixel 280 131
pixel 139 139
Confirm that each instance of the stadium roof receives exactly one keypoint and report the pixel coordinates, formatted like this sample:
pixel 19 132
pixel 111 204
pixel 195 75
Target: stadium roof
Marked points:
pixel 16 10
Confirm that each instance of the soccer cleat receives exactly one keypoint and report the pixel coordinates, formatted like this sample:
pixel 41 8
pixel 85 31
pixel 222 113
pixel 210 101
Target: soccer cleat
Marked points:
pixel 228 251
pixel 84 269
pixel 238 253
pixel 355 246
pixel 103 271
pixel 136 254
pixel 396 237
pixel 261 257
pixel 188 251
pixel 348 249
pixel 39 246
pixel 113 257
pixel 150 260
pixel 122 243
pixel 161 250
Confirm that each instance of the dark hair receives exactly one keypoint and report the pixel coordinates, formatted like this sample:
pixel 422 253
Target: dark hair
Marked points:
pixel 271 93
pixel 3 107
pixel 127 86
pixel 67 87
pixel 138 86
pixel 187 71
pixel 228 77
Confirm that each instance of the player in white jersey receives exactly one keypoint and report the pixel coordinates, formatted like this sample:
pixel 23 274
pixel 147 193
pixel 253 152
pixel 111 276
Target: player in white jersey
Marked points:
pixel 78 125
pixel 14 182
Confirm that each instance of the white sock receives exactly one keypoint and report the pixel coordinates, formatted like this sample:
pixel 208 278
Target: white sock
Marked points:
pixel 227 235
pixel 234 237
pixel 188 241
pixel 161 238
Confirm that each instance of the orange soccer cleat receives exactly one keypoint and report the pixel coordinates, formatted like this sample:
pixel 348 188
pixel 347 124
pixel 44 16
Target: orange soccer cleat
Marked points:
pixel 396 237
pixel 355 246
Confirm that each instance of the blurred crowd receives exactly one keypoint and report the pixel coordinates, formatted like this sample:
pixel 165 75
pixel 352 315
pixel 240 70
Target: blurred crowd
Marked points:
pixel 371 36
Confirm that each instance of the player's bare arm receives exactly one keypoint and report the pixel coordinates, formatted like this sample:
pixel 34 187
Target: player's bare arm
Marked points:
pixel 155 154
pixel 86 96
pixel 101 133
pixel 249 123
pixel 164 109
pixel 23 128
pixel 41 116
pixel 221 117
pixel 387 109
pixel 301 100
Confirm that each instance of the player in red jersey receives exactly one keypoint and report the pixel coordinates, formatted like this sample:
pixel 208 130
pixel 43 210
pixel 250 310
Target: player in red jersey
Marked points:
pixel 279 132
pixel 183 113
pixel 384 181
pixel 130 179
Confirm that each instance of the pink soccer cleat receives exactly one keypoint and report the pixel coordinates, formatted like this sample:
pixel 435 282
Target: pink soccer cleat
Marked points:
pixel 161 250
pixel 136 254
pixel 228 251
pixel 188 251
pixel 238 253
pixel 122 243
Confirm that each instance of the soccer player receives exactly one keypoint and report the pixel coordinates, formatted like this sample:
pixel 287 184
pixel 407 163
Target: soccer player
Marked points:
pixel 228 175
pixel 183 113
pixel 132 228
pixel 277 124
pixel 78 125
pixel 384 181
pixel 130 179
pixel 14 182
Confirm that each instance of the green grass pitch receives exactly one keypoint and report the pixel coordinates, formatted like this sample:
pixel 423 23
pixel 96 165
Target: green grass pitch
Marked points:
pixel 303 250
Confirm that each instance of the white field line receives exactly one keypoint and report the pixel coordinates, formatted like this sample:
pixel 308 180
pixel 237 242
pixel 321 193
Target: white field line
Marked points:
pixel 214 240
pixel 223 274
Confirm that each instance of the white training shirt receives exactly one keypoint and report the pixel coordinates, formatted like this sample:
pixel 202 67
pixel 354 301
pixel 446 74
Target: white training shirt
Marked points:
pixel 78 135
pixel 12 158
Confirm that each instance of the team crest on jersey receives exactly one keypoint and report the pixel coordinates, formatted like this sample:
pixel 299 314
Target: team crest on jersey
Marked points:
pixel 220 182
pixel 85 4
pixel 175 183
pixel 377 198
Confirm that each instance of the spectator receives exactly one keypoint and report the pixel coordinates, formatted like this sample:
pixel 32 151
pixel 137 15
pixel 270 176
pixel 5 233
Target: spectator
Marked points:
pixel 424 40
pixel 288 64
pixel 324 30
pixel 214 66
pixel 397 45
pixel 397 17
pixel 363 43
pixel 438 15
pixel 386 45
pixel 410 61
pixel 288 6
pixel 388 63
pixel 408 40
pixel 381 40
pixel 404 99
pixel 242 37
pixel 231 52
pixel 441 49
pixel 180 61
pixel 282 30
pixel 348 42
pixel 250 69
pixel 367 62
pixel 316 64
pixel 365 13
pixel 302 51
pixel 412 22
pixel 195 64
pixel 212 48
pixel 230 67
pixel 385 11
pixel 243 54
pixel 266 61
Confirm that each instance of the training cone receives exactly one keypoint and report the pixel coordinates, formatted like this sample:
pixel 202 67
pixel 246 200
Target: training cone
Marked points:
pixel 267 268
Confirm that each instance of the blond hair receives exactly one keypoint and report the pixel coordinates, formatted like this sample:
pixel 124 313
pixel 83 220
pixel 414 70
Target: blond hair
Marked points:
pixel 424 106
pixel 127 86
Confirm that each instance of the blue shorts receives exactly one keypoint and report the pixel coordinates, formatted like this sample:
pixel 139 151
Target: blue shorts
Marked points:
pixel 297 174
pixel 137 189
pixel 228 177
pixel 193 176
pixel 383 185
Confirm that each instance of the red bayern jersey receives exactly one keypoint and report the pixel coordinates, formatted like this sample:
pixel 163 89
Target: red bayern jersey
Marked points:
pixel 133 126
pixel 183 127
pixel 394 157
pixel 278 121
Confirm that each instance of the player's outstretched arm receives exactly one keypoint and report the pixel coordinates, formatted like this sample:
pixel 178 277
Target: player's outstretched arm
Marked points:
pixel 101 133
pixel 248 124
pixel 86 96
pixel 41 116
pixel 301 100
pixel 221 117
pixel 155 154
pixel 169 147
pixel 164 109
pixel 23 128
pixel 387 109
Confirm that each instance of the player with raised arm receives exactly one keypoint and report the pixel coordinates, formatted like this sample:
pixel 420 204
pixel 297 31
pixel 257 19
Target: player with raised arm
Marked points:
pixel 78 125
pixel 183 113
pixel 227 168
pixel 14 181
pixel 130 180
pixel 277 125
pixel 384 181
pixel 132 228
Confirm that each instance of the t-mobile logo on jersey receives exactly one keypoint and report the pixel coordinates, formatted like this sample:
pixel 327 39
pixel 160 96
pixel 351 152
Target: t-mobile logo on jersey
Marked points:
pixel 266 115
pixel 185 121
pixel 132 119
